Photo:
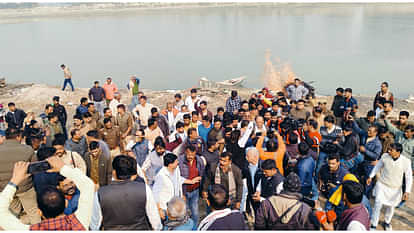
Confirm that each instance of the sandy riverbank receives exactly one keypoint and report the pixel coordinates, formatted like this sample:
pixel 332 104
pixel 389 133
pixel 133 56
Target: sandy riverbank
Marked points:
pixel 33 97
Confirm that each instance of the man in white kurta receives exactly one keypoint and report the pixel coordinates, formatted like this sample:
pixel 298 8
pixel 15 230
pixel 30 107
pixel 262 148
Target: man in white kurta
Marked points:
pixel 388 189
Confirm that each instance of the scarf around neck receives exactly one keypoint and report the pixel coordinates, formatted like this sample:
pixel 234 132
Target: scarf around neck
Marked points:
pixel 232 183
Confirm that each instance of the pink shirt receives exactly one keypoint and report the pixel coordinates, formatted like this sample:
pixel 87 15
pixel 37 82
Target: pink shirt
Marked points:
pixel 110 89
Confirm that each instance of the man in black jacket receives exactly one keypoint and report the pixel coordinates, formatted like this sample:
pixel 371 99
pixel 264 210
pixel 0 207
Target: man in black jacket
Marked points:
pixel 137 210
pixel 15 117
pixel 349 149
pixel 336 104
pixel 253 174
pixel 271 181
pixel 61 113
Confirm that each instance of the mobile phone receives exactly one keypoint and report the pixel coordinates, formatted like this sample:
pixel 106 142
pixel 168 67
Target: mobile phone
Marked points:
pixel 38 167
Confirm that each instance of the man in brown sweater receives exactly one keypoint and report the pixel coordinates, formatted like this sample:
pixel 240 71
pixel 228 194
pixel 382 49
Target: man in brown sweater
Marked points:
pixel 112 136
pixel 12 151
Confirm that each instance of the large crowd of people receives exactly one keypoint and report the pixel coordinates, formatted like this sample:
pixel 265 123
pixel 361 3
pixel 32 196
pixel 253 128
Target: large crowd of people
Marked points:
pixel 274 161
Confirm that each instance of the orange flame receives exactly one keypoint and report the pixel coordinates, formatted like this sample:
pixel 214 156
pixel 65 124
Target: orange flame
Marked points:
pixel 276 77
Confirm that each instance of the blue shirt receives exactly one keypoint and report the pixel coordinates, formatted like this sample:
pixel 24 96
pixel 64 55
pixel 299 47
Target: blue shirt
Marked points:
pixel 80 110
pixel 203 131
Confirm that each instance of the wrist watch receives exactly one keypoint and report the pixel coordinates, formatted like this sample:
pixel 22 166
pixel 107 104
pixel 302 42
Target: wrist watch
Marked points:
pixel 13 184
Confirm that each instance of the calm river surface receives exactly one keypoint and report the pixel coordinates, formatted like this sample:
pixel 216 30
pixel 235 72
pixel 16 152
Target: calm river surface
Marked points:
pixel 335 45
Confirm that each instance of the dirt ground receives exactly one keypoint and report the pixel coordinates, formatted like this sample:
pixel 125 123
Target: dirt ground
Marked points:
pixel 34 97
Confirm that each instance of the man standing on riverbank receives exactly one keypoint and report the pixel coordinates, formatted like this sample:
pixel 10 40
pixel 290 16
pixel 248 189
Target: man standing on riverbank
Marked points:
pixel 97 95
pixel 68 77
pixel 110 89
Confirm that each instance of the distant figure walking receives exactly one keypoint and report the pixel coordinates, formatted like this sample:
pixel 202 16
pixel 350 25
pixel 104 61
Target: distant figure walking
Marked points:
pixel 68 77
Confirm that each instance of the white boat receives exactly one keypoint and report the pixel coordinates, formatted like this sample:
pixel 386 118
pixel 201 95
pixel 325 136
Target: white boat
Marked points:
pixel 235 82
pixel 410 99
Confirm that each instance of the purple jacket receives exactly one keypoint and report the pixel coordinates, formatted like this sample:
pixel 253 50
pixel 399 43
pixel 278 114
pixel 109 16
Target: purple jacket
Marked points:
pixel 358 213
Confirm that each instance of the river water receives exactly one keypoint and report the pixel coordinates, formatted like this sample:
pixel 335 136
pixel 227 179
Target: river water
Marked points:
pixel 355 46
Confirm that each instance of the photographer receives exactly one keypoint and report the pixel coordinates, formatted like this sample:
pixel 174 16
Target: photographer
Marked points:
pixel 330 133
pixel 51 201
pixel 275 149
pixel 349 149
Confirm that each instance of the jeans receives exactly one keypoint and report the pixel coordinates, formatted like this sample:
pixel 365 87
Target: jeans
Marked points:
pixel 353 163
pixel 99 106
pixel 68 81
pixel 192 204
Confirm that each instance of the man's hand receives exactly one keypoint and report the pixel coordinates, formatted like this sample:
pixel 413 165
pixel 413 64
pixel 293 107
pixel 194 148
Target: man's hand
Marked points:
pixel 331 185
pixel 369 180
pixel 405 196
pixel 362 148
pixel 20 172
pixel 196 180
pixel 256 196
pixel 204 195
pixel 56 163
pixel 162 213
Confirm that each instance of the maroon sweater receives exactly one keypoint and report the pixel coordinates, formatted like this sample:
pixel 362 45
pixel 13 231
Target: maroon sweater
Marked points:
pixel 358 213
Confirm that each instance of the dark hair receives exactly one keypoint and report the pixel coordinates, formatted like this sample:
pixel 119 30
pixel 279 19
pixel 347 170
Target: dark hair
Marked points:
pixel 194 113
pixel 143 97
pixel 211 143
pixel 93 145
pixel 233 93
pixel 193 90
pixel 48 106
pixel 154 110
pixel 190 130
pixel 11 104
pixel 334 156
pixel 96 82
pixel 178 95
pixel 340 89
pixel 106 109
pixel 179 125
pixel 51 202
pixel 348 90
pixel 206 118
pixel 191 148
pixel 370 113
pixel 405 113
pixel 59 140
pixel 397 146
pixel 385 84
pixel 124 166
pixel 77 116
pixel 301 101
pixel 186 116
pixel 269 164
pixel 220 109
pixel 159 142
pixel 354 191
pixel 313 123
pixel 218 196
pixel 73 132
pixel 226 154
pixel 121 106
pixel 271 145
pixel 151 121
pixel 293 138
pixel 87 114
pixel 63 65
pixel 45 152
pixel 12 133
pixel 142 131
pixel 51 115
pixel 329 119
pixel 244 123
pixel 303 148
pixel 90 104
pixel 83 100
pixel 106 120
pixel 203 102
pixel 169 158
pixel 93 133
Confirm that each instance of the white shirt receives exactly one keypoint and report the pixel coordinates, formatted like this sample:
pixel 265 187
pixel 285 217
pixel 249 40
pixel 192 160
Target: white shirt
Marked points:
pixel 167 186
pixel 152 210
pixel 144 113
pixel 355 226
pixel 113 105
pixel 190 103
pixel 171 120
